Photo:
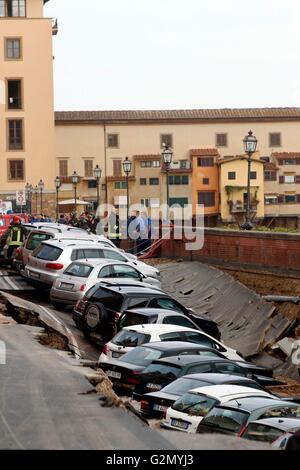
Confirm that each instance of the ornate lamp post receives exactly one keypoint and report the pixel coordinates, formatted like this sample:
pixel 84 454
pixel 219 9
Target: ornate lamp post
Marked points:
pixel 97 175
pixel 127 165
pixel 250 144
pixel 41 187
pixel 36 191
pixel 167 155
pixel 29 191
pixel 57 186
pixel 75 181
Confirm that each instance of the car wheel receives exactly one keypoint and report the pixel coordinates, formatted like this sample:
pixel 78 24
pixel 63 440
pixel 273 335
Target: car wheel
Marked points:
pixel 94 316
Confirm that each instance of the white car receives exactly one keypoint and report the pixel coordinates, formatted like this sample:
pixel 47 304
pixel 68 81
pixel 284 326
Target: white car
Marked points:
pixel 136 335
pixel 80 276
pixel 48 261
pixel 189 410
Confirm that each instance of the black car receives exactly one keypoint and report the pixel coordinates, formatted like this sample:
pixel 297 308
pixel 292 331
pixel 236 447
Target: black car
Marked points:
pixel 161 372
pixel 234 416
pixel 125 371
pixel 97 314
pixel 154 404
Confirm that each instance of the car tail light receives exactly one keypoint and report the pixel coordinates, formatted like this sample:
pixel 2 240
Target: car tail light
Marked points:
pixel 82 287
pixel 18 251
pixel 241 432
pixel 105 349
pixel 54 266
pixel 135 380
pixel 117 316
pixel 80 305
pixel 144 405
pixel 165 414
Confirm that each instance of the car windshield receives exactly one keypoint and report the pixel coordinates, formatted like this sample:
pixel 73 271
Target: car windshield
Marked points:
pixel 261 432
pixel 36 239
pixel 292 411
pixel 194 404
pixel 79 270
pixel 229 420
pixel 181 386
pixel 47 252
pixel 161 371
pixel 131 318
pixel 130 338
pixel 141 356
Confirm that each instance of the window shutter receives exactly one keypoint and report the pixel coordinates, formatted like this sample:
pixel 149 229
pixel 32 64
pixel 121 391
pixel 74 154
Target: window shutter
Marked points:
pixel 298 198
pixel 297 179
pixel 63 168
pixel 280 199
pixel 88 168
pixel 117 167
pixel 281 179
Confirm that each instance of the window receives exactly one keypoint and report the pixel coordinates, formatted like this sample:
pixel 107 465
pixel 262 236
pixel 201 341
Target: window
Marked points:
pixel 274 139
pixel 150 164
pixel 271 199
pixel 15 134
pixel 92 184
pixel 79 270
pixel 207 198
pixel 288 161
pixel 253 175
pixel 16 170
pixel 14 94
pixel 221 140
pixel 289 179
pixel 121 271
pixel 113 254
pixel 199 369
pixel 178 320
pixel 233 369
pixel 262 432
pixel 113 141
pixel 105 272
pixel 63 168
pixel 205 180
pixel 47 252
pixel 270 175
pixel 142 356
pixel 130 338
pixel 145 202
pixel 154 181
pixel 178 179
pixel 120 185
pixel 13 48
pixel 184 164
pixel 193 337
pixel 143 181
pixel 166 139
pixel 35 239
pixel 12 8
pixel 156 164
pixel 231 175
pixel 165 303
pixel 205 161
pixel 88 168
pixel 290 198
pixel 174 336
pixel 117 167
pixel 179 201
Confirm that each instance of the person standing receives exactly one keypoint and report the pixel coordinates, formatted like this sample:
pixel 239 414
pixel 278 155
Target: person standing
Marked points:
pixel 16 236
pixel 114 231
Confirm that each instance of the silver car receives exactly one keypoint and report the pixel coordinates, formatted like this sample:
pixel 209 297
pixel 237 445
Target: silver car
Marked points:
pixel 80 276
pixel 52 257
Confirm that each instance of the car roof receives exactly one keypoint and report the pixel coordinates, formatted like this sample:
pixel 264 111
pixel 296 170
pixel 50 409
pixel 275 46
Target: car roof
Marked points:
pixel 254 403
pixel 228 392
pixel 62 242
pixel 187 359
pixel 175 345
pixel 284 424
pixel 148 312
pixel 157 328
pixel 133 287
pixel 99 262
pixel 216 378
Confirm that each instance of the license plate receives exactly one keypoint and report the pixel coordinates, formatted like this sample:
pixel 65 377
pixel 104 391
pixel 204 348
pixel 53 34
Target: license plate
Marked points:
pixel 115 375
pixel 159 407
pixel 116 354
pixel 34 275
pixel 152 386
pixel 179 424
pixel 66 286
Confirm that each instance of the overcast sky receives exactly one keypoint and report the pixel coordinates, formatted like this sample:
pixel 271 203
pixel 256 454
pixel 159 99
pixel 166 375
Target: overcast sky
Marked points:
pixel 176 54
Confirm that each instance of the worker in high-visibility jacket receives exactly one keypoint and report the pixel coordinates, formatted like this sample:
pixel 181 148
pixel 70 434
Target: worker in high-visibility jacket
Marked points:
pixel 114 230
pixel 16 236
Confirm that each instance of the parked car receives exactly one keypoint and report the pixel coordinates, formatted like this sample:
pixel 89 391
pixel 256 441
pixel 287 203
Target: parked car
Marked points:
pixel 233 417
pixel 136 335
pixel 80 276
pixel 142 316
pixel 97 314
pixel 189 410
pixel 51 257
pixel 124 371
pixel 277 431
pixel 154 404
pixel 161 372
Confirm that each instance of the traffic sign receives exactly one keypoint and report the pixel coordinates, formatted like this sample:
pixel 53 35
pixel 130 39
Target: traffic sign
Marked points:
pixel 21 197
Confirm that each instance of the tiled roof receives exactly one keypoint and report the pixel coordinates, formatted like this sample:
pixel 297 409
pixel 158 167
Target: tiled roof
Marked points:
pixel 147 157
pixel 204 152
pixel 237 114
pixel 269 166
pixel 286 154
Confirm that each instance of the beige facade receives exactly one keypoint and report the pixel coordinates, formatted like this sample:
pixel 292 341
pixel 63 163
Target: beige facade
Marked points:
pixel 26 99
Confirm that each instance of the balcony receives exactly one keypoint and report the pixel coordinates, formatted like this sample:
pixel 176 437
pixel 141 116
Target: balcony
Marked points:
pixel 239 207
pixel 181 166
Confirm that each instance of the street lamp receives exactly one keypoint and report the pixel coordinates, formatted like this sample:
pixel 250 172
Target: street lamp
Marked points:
pixel 97 175
pixel 75 181
pixel 250 144
pixel 167 155
pixel 57 186
pixel 127 164
pixel 36 191
pixel 41 187
pixel 29 191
